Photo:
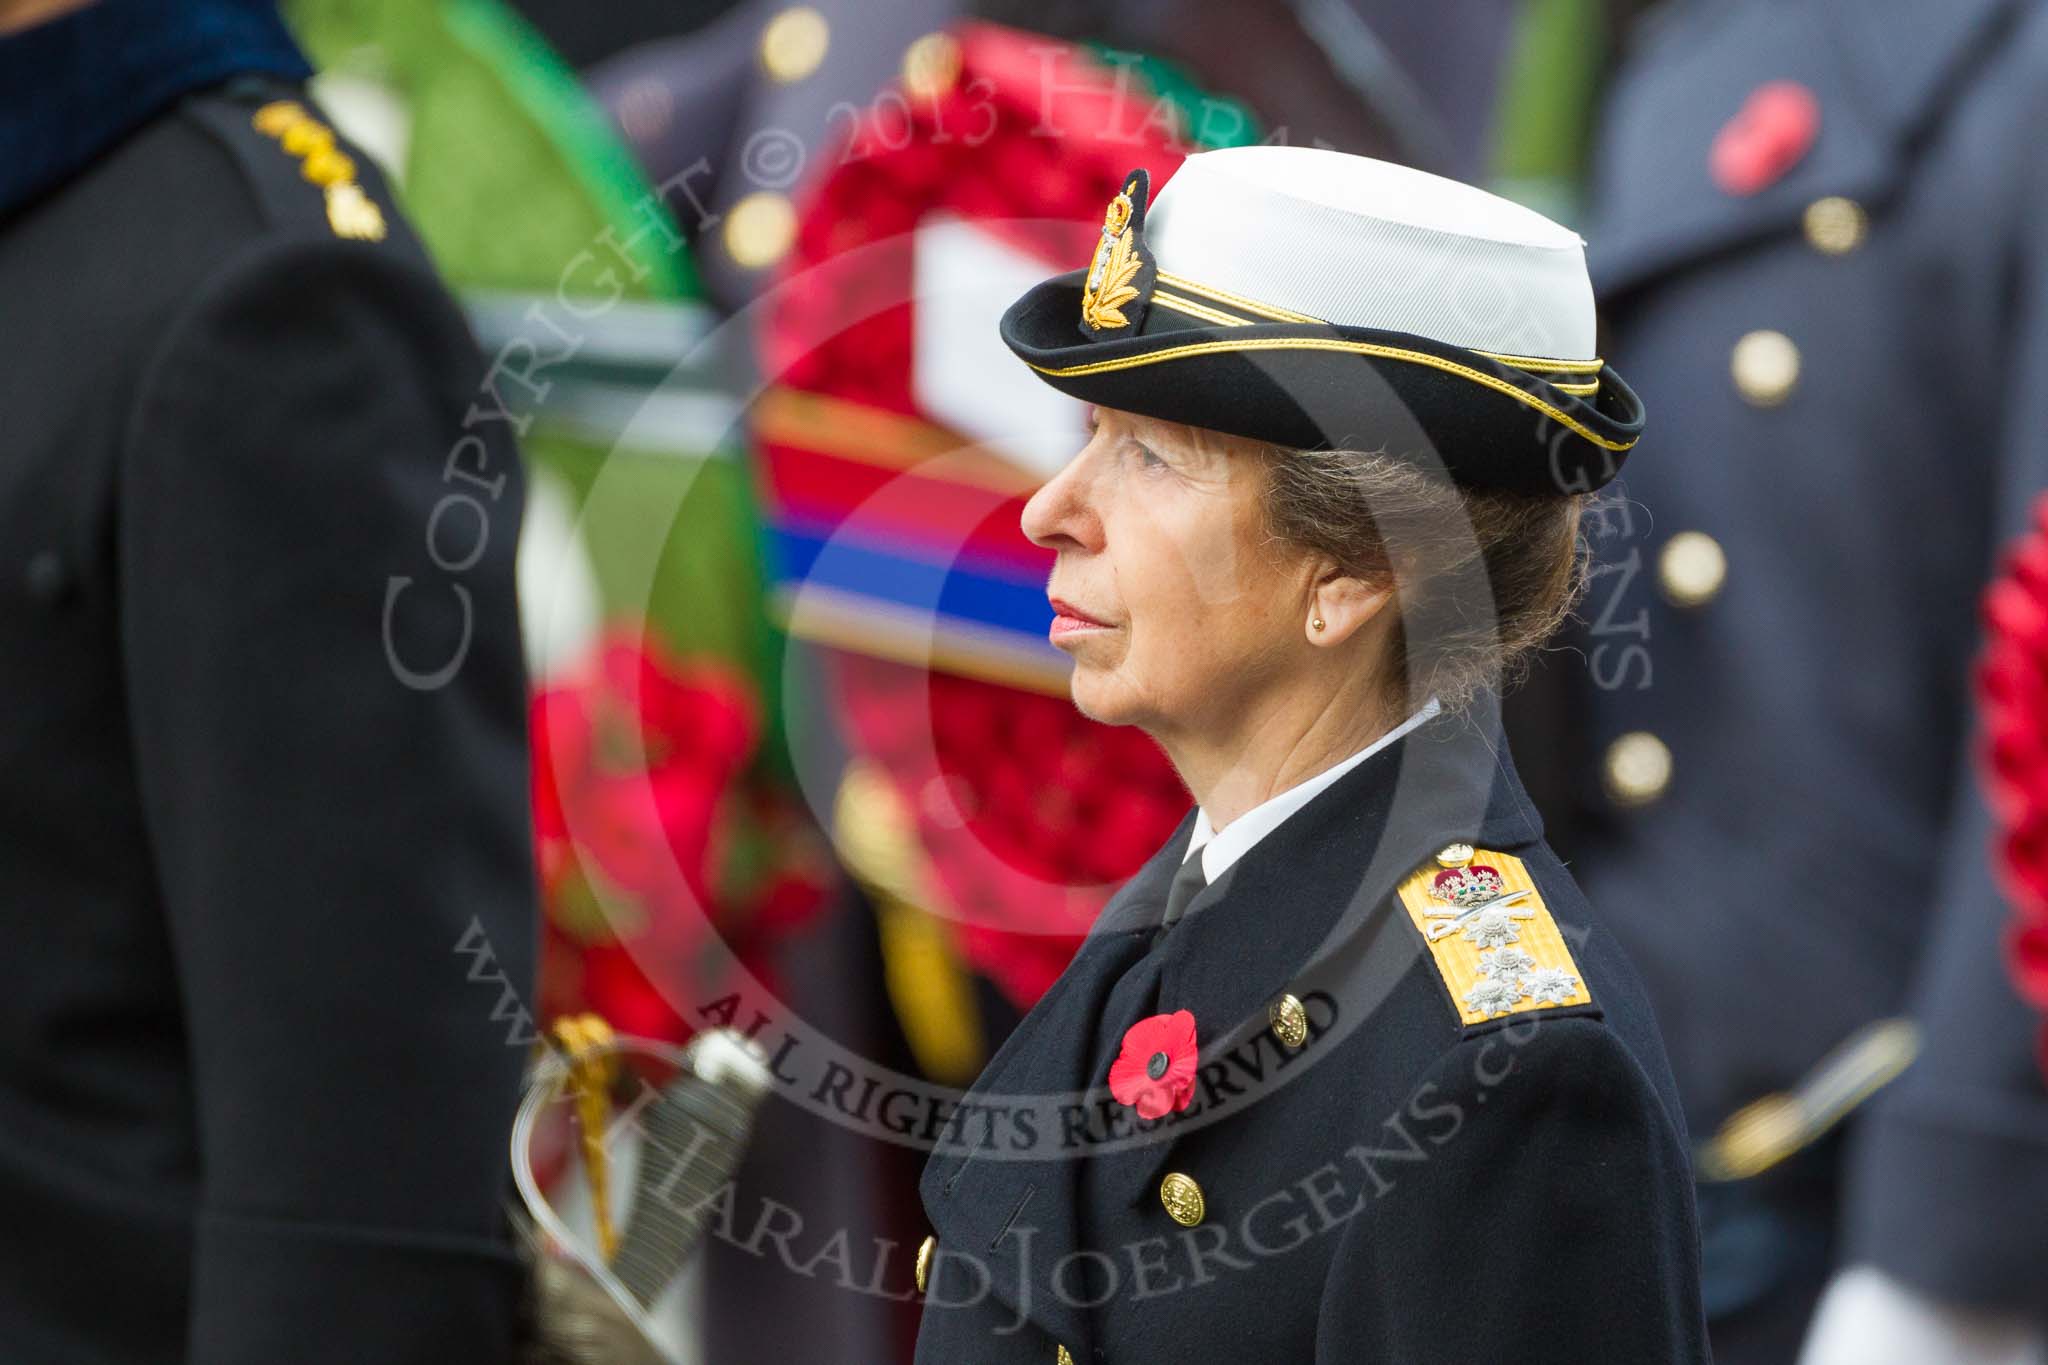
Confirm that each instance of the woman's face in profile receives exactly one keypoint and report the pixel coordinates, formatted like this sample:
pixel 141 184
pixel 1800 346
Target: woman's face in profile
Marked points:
pixel 1177 608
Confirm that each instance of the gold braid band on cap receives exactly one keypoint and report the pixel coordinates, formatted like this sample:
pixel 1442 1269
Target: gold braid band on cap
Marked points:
pixel 1272 312
pixel 1542 364
pixel 1199 311
pixel 1542 367
pixel 1549 370
pixel 587 1041
pixel 1529 400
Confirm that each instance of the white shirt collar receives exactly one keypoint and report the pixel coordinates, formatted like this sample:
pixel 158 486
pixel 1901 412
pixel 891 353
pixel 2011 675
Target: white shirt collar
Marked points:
pixel 1219 851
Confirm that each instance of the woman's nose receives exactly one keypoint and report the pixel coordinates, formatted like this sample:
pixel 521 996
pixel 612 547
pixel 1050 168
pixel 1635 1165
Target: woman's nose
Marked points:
pixel 1061 515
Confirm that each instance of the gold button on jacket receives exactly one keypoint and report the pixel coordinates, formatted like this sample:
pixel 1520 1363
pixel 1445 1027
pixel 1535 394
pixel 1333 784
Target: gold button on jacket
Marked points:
pixel 760 229
pixel 1183 1198
pixel 1290 1021
pixel 1835 226
pixel 1638 768
pixel 1691 569
pixel 1766 368
pixel 794 43
pixel 931 65
pixel 925 1251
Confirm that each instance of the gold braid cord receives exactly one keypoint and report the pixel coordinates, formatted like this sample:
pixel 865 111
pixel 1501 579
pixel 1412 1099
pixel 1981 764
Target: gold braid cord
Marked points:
pixel 586 1040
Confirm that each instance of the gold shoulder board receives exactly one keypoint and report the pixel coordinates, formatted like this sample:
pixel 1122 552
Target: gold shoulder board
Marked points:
pixel 1498 948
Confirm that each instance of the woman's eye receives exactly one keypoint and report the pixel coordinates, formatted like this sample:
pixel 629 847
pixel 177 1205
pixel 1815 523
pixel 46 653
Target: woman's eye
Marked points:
pixel 1146 456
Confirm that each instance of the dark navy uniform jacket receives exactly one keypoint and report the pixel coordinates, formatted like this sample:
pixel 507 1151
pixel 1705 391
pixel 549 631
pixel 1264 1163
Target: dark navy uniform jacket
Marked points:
pixel 262 756
pixel 1414 1182
pixel 1849 368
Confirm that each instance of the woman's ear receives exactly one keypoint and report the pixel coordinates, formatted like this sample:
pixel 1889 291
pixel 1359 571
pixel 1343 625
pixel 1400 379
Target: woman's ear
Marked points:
pixel 1341 604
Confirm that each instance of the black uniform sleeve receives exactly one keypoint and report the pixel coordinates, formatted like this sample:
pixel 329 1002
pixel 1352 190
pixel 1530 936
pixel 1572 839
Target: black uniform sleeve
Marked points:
pixel 1946 1160
pixel 1552 1225
pixel 328 708
pixel 1973 1108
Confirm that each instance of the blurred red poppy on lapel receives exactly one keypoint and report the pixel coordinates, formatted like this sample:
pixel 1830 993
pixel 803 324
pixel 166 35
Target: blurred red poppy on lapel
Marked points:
pixel 1155 1071
pixel 1773 132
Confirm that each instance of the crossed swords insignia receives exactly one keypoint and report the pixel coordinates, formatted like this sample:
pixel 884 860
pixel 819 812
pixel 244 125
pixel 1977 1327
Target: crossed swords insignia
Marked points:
pixel 1453 918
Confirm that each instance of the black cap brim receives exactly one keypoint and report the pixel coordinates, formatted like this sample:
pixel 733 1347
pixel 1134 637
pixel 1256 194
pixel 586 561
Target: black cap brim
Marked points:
pixel 1487 423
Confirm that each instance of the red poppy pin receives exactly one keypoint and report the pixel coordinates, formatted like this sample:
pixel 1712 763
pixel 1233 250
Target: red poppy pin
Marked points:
pixel 1771 134
pixel 1155 1071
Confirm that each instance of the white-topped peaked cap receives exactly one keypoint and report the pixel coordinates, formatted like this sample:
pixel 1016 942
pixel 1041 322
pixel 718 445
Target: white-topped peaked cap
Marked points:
pixel 1316 300
pixel 1364 243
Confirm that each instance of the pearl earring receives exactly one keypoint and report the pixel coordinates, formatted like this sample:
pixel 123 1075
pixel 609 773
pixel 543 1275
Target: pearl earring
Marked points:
pixel 1316 623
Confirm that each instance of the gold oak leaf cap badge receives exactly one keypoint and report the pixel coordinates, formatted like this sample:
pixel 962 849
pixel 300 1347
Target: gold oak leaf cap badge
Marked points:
pixel 1120 273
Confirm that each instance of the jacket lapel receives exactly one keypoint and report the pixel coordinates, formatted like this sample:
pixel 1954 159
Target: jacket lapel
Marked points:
pixel 1878 69
pixel 1313 899
pixel 1016 1214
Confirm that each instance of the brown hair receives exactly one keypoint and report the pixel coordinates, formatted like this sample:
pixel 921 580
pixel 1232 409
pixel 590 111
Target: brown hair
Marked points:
pixel 1483 578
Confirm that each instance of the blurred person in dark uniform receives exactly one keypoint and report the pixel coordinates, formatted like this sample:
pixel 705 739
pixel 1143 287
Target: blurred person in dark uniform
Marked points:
pixel 1374 77
pixel 263 777
pixel 1821 239
pixel 584 34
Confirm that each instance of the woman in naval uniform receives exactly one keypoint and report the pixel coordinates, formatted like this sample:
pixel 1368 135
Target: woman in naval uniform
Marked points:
pixel 1349 1070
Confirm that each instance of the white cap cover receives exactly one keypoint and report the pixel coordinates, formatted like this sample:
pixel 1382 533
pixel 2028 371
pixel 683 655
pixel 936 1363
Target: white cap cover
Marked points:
pixel 1311 299
pixel 1364 243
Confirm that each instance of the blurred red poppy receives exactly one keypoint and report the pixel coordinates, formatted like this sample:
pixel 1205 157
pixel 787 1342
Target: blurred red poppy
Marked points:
pixel 664 859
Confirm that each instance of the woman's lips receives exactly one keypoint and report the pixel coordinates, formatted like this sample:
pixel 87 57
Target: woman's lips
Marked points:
pixel 1069 619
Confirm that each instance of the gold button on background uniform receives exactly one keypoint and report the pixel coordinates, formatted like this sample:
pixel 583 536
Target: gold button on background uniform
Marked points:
pixel 1290 1021
pixel 1691 569
pixel 931 65
pixel 1183 1198
pixel 1062 1355
pixel 1766 368
pixel 1454 855
pixel 1835 226
pixel 1638 768
pixel 760 229
pixel 793 45
pixel 924 1261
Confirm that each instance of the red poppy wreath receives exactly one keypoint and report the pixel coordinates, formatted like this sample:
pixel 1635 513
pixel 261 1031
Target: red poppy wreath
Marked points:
pixel 1155 1071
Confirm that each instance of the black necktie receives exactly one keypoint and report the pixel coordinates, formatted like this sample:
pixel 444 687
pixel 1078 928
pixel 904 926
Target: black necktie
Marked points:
pixel 1187 884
